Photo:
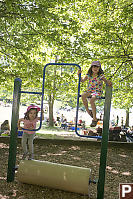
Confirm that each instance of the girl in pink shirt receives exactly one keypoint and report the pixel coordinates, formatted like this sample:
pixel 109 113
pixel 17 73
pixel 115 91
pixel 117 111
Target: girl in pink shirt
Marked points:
pixel 30 119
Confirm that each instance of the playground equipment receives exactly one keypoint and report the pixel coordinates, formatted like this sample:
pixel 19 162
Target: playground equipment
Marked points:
pixel 58 176
pixel 44 169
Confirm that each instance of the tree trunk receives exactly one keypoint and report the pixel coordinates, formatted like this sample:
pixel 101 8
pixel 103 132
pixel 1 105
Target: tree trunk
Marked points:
pixel 51 99
pixel 51 103
pixel 127 118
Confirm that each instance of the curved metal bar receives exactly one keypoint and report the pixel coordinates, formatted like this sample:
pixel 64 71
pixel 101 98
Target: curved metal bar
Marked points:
pixel 78 95
pixel 89 136
pixel 40 93
pixel 43 85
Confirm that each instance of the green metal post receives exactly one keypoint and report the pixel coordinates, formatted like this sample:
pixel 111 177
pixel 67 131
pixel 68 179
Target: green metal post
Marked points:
pixel 13 134
pixel 104 143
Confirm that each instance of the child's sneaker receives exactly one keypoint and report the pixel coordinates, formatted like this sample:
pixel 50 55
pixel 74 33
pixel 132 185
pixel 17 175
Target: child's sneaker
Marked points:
pixel 94 123
pixel 90 113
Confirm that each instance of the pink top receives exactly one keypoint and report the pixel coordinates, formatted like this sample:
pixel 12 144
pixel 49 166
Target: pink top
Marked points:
pixel 30 125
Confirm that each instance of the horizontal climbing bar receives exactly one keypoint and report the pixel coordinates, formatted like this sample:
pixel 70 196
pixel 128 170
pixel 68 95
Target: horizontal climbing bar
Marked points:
pixel 38 93
pixel 89 136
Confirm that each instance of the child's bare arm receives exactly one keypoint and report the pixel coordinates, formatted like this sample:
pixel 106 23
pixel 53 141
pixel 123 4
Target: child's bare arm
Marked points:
pixel 108 82
pixel 19 121
pixel 42 115
pixel 82 79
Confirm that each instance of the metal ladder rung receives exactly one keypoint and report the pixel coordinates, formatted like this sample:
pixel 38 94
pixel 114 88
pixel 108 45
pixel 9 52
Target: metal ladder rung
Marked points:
pixel 38 93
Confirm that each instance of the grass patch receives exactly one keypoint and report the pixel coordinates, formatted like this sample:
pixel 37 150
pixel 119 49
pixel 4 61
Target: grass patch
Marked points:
pixel 51 134
pixel 54 128
pixel 47 136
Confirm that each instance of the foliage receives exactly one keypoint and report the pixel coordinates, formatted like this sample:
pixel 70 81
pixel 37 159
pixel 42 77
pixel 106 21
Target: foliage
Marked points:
pixel 110 32
pixel 34 33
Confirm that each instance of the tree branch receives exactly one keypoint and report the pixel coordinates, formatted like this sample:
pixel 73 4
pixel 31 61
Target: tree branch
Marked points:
pixel 126 77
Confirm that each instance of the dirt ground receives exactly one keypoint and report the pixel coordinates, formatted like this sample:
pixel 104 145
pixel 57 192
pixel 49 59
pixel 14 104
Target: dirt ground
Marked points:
pixel 84 154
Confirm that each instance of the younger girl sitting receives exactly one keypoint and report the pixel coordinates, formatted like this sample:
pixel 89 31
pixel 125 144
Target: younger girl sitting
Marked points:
pixel 30 119
pixel 95 77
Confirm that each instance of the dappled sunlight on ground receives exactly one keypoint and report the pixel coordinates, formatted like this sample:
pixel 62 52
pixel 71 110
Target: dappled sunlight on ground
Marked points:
pixel 3 196
pixel 119 169
pixel 126 173
pixel 123 155
pixel 4 146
